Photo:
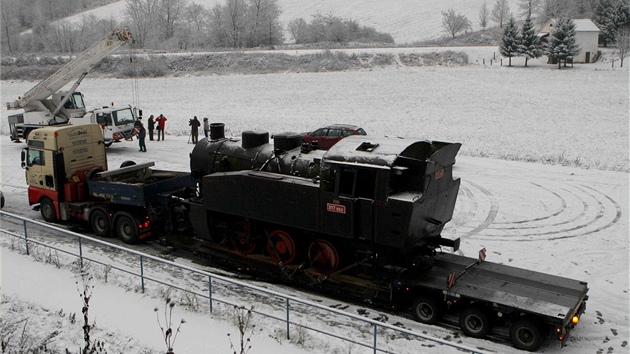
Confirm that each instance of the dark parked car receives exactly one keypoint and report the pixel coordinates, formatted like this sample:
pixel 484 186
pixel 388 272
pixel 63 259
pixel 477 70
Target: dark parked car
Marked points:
pixel 329 135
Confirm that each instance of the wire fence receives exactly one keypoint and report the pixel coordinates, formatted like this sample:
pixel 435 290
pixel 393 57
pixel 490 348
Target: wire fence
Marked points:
pixel 294 313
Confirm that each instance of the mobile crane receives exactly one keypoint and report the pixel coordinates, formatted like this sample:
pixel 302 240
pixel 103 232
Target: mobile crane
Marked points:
pixel 44 105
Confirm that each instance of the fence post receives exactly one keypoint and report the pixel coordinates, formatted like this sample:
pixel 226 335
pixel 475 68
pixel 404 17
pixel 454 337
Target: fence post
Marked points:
pixel 210 291
pixel 288 335
pixel 375 333
pixel 142 273
pixel 80 254
pixel 26 238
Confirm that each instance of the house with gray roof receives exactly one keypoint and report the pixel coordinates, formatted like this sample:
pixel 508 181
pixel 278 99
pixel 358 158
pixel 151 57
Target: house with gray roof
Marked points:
pixel 586 37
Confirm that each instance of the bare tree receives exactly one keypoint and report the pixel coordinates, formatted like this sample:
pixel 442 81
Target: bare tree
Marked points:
pixel 236 16
pixel 298 29
pixel 453 23
pixel 529 7
pixel 143 15
pixel 556 9
pixel 272 23
pixel 484 13
pixel 623 43
pixel 170 12
pixel 500 12
pixel 8 12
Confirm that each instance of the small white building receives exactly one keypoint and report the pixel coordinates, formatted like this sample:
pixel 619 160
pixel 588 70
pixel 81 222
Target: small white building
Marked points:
pixel 586 37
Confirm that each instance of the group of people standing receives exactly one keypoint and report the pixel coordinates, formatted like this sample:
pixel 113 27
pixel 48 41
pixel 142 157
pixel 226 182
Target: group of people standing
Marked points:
pixel 141 132
pixel 159 124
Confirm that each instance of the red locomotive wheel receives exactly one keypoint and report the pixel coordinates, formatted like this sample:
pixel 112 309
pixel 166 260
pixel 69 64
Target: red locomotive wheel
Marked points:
pixel 323 256
pixel 281 247
pixel 241 239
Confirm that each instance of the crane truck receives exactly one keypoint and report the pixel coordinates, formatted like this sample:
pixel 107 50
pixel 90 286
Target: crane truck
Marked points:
pixel 44 105
pixel 363 220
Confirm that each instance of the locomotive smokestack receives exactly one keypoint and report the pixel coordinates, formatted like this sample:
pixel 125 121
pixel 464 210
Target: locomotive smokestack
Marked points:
pixel 217 131
pixel 286 141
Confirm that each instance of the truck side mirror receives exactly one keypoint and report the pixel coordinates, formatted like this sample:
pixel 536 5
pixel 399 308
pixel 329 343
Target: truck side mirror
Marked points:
pixel 23 158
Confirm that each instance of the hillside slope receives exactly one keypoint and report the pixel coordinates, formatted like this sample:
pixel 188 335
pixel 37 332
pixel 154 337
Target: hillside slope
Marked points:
pixel 407 21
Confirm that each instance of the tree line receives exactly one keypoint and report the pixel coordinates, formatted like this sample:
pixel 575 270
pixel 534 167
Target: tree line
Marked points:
pixel 610 16
pixel 171 25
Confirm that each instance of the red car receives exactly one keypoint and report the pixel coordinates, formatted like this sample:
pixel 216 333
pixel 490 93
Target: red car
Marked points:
pixel 324 138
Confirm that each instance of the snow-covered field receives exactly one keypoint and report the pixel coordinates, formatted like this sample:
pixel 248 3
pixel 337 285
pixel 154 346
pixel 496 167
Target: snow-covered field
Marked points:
pixel 575 117
pixel 561 220
pixel 407 21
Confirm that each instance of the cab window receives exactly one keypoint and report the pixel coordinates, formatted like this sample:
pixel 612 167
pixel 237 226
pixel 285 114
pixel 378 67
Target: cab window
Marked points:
pixel 357 183
pixel 103 118
pixel 77 98
pixel 35 157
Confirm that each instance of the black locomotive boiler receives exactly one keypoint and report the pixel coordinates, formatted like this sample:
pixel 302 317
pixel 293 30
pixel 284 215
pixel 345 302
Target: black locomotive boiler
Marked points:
pixel 378 200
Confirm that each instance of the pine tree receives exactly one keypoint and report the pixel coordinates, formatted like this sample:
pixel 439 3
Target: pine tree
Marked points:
pixel 530 43
pixel 562 43
pixel 610 15
pixel 509 46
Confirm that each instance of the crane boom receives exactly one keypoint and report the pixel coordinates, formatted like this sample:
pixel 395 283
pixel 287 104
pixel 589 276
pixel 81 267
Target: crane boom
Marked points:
pixel 79 66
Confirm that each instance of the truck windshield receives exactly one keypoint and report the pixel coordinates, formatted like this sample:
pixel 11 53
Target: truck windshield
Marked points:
pixel 124 116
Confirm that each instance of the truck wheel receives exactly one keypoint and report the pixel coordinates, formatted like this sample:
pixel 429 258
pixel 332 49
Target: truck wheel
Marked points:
pixel 526 335
pixel 474 322
pixel 127 228
pixel 427 310
pixel 92 173
pixel 100 222
pixel 47 208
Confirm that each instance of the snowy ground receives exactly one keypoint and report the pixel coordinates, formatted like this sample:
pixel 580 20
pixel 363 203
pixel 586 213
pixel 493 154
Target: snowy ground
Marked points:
pixel 566 221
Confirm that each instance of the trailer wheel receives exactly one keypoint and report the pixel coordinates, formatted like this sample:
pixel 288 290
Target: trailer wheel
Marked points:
pixel 47 208
pixel 127 228
pixel 100 222
pixel 427 310
pixel 127 163
pixel 475 322
pixel 526 335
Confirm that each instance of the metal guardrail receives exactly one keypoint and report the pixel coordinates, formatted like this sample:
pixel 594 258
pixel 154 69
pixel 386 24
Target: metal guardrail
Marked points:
pixel 83 254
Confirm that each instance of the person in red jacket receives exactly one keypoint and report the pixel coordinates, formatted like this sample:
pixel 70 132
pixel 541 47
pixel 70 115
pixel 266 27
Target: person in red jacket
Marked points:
pixel 161 121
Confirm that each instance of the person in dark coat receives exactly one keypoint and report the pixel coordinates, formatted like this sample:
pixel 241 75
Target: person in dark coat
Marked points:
pixel 194 129
pixel 141 133
pixel 151 127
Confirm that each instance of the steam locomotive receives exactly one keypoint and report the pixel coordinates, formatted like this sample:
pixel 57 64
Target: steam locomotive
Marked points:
pixel 379 200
